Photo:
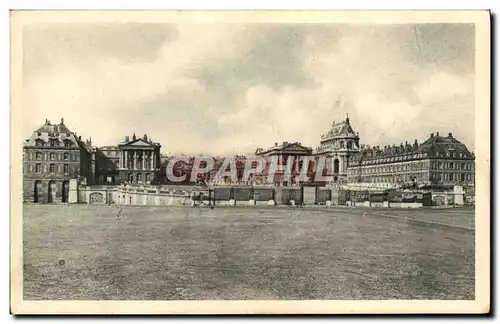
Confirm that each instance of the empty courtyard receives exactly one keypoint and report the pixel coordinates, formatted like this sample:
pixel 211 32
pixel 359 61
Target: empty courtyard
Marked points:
pixel 84 252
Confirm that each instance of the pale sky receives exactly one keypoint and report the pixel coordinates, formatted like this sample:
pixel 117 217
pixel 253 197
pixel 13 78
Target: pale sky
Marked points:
pixel 231 88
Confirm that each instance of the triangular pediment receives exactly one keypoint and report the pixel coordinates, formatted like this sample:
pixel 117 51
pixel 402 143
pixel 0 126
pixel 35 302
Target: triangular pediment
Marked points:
pixel 297 147
pixel 138 143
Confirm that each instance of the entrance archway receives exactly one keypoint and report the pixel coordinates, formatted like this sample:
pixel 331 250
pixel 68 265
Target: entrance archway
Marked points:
pixel 65 191
pixel 51 191
pixel 37 191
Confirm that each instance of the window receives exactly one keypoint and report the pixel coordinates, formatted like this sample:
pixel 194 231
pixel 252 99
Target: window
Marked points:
pixel 148 177
pixel 52 156
pixel 67 143
pixel 30 168
pixel 66 171
pixel 451 165
pixel 54 142
pixel 139 177
pixel 38 168
pixel 451 177
pixel 39 156
pixel 66 156
pixel 39 142
pixel 440 177
pixel 468 177
pixel 440 165
pixel 52 168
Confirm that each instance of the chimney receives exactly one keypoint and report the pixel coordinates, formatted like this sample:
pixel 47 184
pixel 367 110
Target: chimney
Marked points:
pixel 127 139
pixel 432 135
pixel 133 137
pixel 285 143
pixel 275 143
pixel 450 135
pixel 145 137
pixel 415 144
pixel 46 121
pixel 437 133
pixel 62 121
pixel 80 138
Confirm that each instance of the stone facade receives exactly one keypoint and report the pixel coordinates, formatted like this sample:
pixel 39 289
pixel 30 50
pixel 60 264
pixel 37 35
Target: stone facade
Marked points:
pixel 285 153
pixel 337 146
pixel 440 160
pixel 139 160
pixel 107 164
pixel 53 156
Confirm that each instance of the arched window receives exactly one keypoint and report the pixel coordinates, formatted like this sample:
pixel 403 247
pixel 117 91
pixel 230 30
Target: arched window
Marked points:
pixel 336 166
pixel 349 145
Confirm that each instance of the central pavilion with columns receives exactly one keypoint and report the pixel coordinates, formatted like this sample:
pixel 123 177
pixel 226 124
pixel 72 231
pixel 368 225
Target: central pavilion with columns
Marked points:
pixel 139 160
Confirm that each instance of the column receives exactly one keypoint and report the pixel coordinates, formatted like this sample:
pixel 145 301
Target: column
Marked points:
pixel 122 159
pixel 153 160
pixel 125 153
pixel 135 160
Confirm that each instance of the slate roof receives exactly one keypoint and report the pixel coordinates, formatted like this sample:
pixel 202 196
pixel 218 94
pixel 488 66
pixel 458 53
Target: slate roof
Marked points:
pixel 49 133
pixel 340 129
pixel 436 147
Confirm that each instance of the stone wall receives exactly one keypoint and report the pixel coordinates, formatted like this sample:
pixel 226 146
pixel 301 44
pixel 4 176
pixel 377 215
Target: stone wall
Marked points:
pixel 230 196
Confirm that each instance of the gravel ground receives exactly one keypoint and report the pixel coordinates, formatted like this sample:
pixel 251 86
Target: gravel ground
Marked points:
pixel 84 252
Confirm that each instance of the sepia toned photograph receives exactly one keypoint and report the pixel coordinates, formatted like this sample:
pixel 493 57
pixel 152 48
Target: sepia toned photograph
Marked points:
pixel 250 162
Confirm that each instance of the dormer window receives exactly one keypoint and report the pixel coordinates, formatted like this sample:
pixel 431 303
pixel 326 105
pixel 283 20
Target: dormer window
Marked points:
pixel 54 142
pixel 67 143
pixel 39 142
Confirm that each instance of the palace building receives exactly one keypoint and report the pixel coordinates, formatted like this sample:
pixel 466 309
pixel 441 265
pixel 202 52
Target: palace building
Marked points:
pixel 51 157
pixel 337 146
pixel 107 164
pixel 283 151
pixel 440 160
pixel 139 160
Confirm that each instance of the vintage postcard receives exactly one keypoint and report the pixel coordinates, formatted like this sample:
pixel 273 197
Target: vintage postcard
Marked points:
pixel 250 162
